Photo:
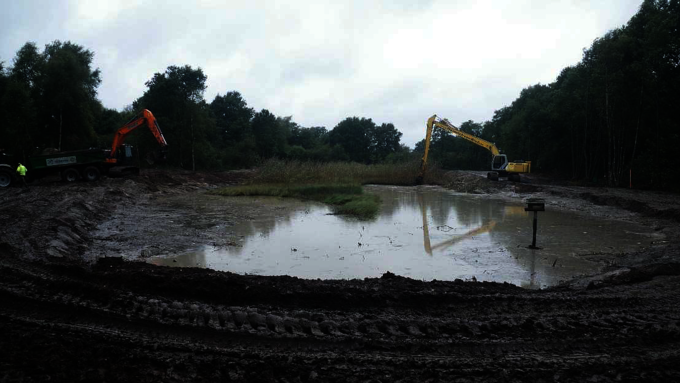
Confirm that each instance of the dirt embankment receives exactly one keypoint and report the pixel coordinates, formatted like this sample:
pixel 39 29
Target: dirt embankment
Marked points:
pixel 658 210
pixel 65 319
pixel 644 204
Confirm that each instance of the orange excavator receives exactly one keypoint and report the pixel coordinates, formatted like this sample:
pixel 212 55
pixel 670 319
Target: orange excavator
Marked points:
pixel 120 155
pixel 140 119
pixel 87 164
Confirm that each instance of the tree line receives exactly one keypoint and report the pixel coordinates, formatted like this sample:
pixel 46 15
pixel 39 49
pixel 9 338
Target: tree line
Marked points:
pixel 610 119
pixel 49 99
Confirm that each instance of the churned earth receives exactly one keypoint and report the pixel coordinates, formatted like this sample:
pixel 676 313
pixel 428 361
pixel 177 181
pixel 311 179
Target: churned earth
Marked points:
pixel 73 310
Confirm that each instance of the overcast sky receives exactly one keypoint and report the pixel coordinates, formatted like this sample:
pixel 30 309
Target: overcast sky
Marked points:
pixel 323 61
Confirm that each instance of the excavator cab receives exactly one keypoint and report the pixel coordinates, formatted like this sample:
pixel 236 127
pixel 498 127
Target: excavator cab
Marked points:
pixel 124 155
pixel 499 162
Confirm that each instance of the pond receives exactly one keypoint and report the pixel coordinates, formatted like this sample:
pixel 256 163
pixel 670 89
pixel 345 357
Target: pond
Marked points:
pixel 423 233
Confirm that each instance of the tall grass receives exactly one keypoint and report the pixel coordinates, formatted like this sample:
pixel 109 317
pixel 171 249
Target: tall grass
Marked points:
pixel 305 173
pixel 345 199
pixel 336 183
pixel 282 190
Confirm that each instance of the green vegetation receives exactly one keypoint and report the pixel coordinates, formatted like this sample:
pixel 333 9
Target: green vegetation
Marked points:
pixel 345 198
pixel 607 117
pixel 48 99
pixel 612 114
pixel 297 172
pixel 336 183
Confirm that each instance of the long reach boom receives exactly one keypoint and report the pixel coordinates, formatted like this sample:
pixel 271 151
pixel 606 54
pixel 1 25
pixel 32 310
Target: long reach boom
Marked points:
pixel 499 164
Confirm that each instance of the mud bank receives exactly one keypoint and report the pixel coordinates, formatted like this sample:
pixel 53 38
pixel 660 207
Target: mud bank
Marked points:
pixel 70 315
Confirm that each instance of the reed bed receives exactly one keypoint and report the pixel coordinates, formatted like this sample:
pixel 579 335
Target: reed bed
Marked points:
pixel 344 198
pixel 336 183
pixel 306 173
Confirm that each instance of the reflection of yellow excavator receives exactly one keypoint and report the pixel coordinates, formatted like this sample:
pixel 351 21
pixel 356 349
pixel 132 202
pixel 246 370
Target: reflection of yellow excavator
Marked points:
pixel 443 245
pixel 487 227
pixel 500 167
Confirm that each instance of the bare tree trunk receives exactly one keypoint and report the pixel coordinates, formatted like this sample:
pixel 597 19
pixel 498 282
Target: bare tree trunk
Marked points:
pixel 60 126
pixel 637 127
pixel 180 135
pixel 572 139
pixel 193 156
pixel 585 135
pixel 610 170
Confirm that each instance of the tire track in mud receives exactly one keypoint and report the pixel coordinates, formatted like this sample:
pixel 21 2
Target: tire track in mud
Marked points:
pixel 498 329
pixel 67 320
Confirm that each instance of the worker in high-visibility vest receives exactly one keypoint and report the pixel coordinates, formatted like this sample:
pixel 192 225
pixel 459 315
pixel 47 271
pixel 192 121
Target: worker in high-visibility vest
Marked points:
pixel 21 169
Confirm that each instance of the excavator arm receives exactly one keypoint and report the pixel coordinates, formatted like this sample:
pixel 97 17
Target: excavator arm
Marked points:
pixel 447 126
pixel 143 117
pixel 499 163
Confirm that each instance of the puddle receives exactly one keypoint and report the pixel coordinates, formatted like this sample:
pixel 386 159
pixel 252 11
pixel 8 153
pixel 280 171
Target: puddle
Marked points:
pixel 424 233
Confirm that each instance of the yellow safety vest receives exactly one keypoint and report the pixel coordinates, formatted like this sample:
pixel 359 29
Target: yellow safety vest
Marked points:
pixel 21 170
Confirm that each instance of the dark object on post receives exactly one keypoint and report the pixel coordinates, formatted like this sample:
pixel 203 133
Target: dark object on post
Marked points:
pixel 535 205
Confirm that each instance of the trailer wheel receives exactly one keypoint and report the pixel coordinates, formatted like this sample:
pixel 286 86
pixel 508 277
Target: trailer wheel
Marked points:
pixel 70 175
pixel 91 173
pixel 5 178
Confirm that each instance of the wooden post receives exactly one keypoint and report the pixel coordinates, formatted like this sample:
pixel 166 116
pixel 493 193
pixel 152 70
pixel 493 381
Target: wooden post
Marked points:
pixel 533 241
pixel 630 178
pixel 535 205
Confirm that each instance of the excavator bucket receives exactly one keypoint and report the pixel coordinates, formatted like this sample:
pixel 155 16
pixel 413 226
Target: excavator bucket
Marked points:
pixel 156 157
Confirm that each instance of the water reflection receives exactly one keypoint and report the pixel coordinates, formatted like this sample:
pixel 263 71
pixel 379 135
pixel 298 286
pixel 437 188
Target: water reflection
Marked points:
pixel 424 233
pixel 191 259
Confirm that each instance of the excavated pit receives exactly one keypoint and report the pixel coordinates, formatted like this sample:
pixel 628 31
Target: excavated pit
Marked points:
pixel 423 233
pixel 72 310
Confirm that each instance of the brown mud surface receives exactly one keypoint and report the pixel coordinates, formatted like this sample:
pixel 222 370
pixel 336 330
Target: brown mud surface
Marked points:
pixel 68 313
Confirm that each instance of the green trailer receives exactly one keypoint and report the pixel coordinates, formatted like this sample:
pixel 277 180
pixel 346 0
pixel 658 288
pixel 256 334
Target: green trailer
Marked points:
pixel 87 164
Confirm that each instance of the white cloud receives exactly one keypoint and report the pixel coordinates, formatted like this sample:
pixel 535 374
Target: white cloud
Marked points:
pixel 98 14
pixel 323 61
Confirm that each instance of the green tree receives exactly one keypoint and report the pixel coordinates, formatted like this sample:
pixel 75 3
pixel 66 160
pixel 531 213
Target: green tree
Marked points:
pixel 363 141
pixel 28 67
pixel 68 88
pixel 269 137
pixel 384 140
pixel 175 97
pixel 17 112
pixel 353 136
pixel 50 98
pixel 232 116
pixel 610 115
pixel 308 138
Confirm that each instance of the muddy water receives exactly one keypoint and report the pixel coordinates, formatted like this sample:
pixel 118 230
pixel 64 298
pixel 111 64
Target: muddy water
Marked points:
pixel 423 233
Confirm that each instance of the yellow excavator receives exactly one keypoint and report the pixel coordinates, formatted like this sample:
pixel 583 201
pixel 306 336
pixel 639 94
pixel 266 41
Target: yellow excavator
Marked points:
pixel 500 167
